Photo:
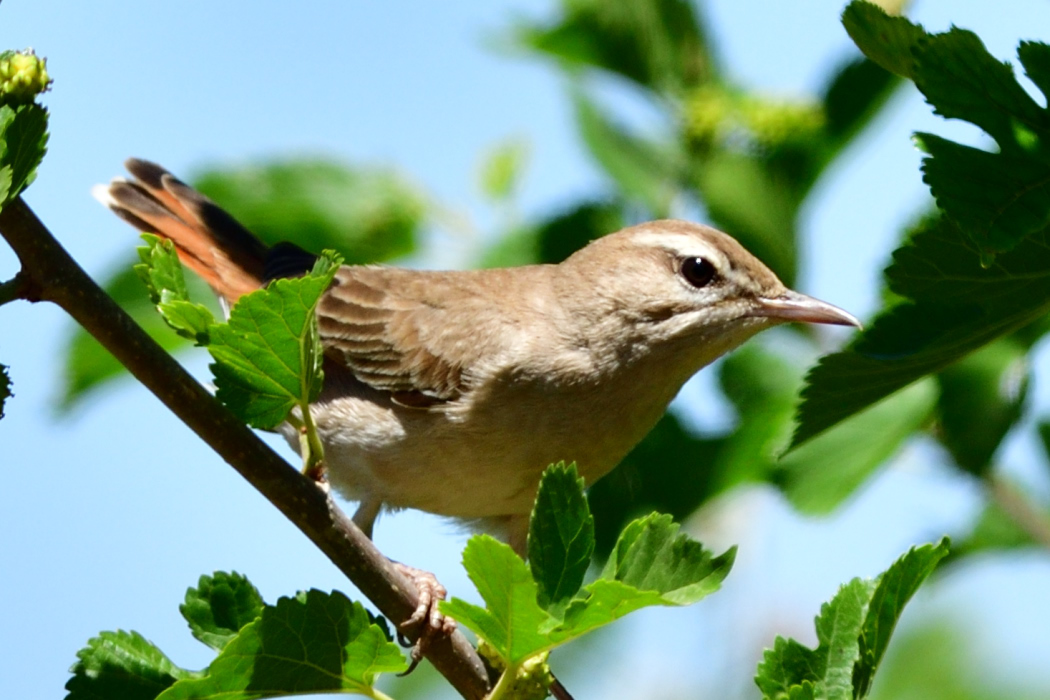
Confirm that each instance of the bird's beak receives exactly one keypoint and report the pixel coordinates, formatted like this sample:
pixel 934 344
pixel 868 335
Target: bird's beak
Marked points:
pixel 792 306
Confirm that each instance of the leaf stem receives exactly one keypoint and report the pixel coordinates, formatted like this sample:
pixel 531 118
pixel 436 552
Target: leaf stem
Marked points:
pixel 505 682
pixel 310 445
pixel 50 274
pixel 1020 509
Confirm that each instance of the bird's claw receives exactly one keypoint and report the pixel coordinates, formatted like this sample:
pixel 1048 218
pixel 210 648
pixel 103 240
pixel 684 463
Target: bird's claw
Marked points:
pixel 434 624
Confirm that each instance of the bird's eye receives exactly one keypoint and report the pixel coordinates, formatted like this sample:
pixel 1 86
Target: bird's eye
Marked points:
pixel 698 271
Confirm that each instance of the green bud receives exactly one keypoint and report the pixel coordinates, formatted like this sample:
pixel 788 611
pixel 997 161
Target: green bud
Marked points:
pixel 23 76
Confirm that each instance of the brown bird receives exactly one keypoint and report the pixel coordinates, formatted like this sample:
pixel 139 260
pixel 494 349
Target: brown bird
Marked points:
pixel 451 392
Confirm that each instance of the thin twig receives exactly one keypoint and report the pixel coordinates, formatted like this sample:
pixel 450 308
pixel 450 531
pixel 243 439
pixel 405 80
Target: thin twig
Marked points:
pixel 1020 509
pixel 54 276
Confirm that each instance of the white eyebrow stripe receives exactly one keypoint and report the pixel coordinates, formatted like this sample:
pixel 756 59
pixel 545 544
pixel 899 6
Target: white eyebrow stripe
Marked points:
pixel 684 245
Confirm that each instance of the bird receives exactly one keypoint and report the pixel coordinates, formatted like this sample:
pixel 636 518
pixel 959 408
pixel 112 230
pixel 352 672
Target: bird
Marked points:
pixel 452 391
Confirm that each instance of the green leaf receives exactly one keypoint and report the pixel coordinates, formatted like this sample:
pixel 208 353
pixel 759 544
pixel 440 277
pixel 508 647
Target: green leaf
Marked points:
pixel 161 272
pixel 888 41
pixel 827 671
pixel 660 45
pixel 641 169
pixel 23 143
pixel 5 388
pixel 313 643
pixel 994 531
pixel 854 96
pixel 368 214
pixel 818 476
pixel 502 168
pixel 652 556
pixel 268 357
pixel 853 631
pixel 982 396
pixel 220 606
pixel 652 565
pixel 561 538
pixel 895 588
pixel 121 665
pixel 512 620
pixel 956 307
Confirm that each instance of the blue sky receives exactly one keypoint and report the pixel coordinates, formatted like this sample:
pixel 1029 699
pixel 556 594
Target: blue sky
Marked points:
pixel 108 515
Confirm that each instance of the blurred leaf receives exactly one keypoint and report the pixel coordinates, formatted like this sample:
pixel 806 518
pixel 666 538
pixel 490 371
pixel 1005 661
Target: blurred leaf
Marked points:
pixel 660 44
pixel 121 665
pixel 756 206
pixel 888 41
pixel 561 538
pixel 994 531
pixel 313 643
pixel 940 660
pixel 367 214
pixel 853 631
pixel 5 388
pixel 818 476
pixel 763 388
pixel 670 471
pixel 23 143
pixel 220 606
pixel 268 356
pixel 640 168
pixel 502 168
pixel 854 95
pixel 557 238
pixel 982 396
pixel 956 307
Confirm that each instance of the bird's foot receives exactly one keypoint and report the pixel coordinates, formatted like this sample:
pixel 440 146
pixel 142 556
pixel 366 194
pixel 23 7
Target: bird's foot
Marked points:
pixel 433 625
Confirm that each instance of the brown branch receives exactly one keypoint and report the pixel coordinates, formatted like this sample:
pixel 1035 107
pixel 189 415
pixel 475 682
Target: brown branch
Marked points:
pixel 50 274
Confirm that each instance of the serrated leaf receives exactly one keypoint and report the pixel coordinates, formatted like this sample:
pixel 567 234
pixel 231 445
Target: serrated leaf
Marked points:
pixel 220 606
pixel 956 307
pixel 121 665
pixel 819 475
pixel 268 356
pixel 998 199
pixel 651 555
pixel 502 168
pixel 561 538
pixel 888 41
pixel 368 214
pixel 827 671
pixel 853 631
pixel 5 388
pixel 23 143
pixel 161 272
pixel 313 643
pixel 653 565
pixel 895 588
pixel 512 620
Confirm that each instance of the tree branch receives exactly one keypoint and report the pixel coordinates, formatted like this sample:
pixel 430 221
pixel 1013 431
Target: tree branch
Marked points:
pixel 50 274
pixel 1018 508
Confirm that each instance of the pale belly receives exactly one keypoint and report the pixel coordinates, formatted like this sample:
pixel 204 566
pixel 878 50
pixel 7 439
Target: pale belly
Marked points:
pixel 472 461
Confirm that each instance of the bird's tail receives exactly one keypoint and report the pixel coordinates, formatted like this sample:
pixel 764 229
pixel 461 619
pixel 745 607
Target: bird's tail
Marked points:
pixel 208 240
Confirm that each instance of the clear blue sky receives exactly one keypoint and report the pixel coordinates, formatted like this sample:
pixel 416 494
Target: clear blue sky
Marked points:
pixel 107 516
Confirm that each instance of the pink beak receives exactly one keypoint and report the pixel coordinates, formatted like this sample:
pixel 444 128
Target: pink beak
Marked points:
pixel 793 306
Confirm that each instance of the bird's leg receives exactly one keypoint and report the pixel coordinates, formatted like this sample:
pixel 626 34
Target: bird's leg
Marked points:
pixel 430 590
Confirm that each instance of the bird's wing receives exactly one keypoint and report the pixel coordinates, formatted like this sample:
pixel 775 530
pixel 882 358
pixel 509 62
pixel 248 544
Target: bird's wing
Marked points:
pixel 386 327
